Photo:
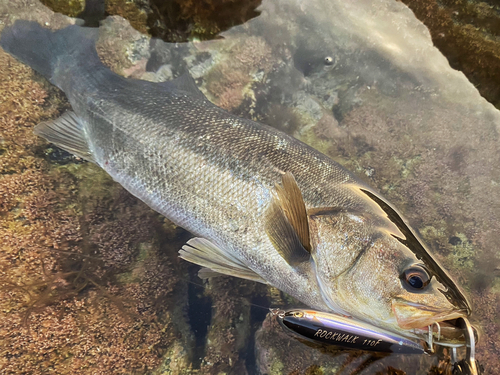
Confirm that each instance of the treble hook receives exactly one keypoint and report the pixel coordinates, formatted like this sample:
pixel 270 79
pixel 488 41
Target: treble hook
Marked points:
pixel 469 365
pixel 438 329
pixel 454 355
pixel 430 336
pixel 430 341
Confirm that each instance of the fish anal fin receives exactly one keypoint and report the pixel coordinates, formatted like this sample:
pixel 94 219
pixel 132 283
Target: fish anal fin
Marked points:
pixel 215 260
pixel 207 273
pixel 66 132
pixel 283 236
pixel 292 203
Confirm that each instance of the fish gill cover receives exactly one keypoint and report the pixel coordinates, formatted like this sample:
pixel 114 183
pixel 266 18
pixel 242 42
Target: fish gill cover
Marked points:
pixel 385 104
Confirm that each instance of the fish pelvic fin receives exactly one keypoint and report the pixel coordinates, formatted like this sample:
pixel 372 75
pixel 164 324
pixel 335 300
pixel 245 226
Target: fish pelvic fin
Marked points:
pixel 286 222
pixel 68 133
pixel 215 260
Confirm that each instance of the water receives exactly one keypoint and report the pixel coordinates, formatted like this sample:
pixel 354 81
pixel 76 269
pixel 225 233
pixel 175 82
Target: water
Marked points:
pixel 91 282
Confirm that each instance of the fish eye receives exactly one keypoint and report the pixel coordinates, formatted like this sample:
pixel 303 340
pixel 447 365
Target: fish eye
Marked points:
pixel 415 278
pixel 328 60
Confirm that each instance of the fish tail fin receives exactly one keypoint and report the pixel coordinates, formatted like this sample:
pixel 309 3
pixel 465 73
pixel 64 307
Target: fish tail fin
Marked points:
pixel 49 52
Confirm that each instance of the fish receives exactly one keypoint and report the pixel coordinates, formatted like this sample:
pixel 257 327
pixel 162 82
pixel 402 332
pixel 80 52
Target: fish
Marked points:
pixel 261 205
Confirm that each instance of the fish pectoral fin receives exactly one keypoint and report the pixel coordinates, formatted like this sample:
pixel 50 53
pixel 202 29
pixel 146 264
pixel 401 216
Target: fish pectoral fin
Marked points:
pixel 216 261
pixel 292 204
pixel 66 132
pixel 287 224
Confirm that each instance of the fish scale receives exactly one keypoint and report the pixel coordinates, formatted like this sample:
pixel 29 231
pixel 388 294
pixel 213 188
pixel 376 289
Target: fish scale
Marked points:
pixel 199 166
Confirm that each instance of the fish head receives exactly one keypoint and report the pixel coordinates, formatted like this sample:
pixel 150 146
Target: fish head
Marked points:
pixel 381 273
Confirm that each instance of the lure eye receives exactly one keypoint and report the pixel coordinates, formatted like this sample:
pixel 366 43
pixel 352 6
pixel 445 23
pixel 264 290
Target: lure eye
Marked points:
pixel 415 278
pixel 328 60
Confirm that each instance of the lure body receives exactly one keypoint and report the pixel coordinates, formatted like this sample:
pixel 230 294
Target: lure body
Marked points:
pixel 333 329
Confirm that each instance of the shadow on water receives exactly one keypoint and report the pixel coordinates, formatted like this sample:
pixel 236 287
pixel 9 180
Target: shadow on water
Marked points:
pixel 258 313
pixel 199 314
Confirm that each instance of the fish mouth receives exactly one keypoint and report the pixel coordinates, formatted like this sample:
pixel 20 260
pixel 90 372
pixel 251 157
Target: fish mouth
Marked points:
pixel 421 319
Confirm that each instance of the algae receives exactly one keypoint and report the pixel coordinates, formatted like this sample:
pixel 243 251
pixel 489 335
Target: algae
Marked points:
pixel 68 7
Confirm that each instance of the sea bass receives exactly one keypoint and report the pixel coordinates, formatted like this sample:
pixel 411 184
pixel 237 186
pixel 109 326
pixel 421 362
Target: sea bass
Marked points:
pixel 262 205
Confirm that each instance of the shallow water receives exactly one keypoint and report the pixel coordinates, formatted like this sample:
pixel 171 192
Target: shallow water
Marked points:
pixel 91 278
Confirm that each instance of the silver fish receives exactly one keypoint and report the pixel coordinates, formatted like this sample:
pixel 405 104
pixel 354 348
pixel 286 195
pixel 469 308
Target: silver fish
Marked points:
pixel 262 205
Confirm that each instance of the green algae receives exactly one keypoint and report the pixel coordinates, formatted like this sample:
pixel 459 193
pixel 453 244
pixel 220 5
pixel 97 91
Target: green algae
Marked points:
pixel 131 11
pixel 277 367
pixel 70 8
pixel 188 20
pixel 463 254
pixel 134 275
pixel 93 182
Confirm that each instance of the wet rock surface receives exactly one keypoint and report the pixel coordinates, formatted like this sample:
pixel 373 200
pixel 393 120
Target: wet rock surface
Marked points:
pixel 468 34
pixel 90 280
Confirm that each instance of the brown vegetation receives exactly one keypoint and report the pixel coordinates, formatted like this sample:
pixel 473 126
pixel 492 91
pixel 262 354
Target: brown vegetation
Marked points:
pixel 85 274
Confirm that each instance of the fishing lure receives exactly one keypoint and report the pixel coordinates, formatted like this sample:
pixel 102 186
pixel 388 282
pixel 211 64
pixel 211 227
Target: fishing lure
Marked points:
pixel 332 329
pixel 343 332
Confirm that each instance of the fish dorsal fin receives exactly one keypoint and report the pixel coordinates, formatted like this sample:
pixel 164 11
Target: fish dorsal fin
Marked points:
pixel 184 83
pixel 68 133
pixel 283 216
pixel 293 205
pixel 216 260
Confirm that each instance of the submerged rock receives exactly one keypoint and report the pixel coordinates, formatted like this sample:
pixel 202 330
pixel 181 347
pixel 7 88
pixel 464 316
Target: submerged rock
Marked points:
pixel 468 34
